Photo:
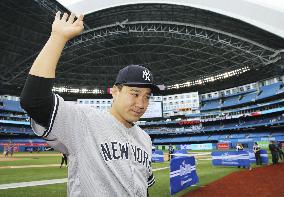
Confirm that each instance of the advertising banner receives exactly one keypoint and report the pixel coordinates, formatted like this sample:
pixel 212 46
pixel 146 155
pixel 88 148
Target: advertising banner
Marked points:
pixel 264 157
pixel 24 144
pixel 182 173
pixel 180 153
pixel 223 146
pixel 205 146
pixel 185 146
pixel 251 156
pixel 230 158
pixel 263 144
pixel 158 156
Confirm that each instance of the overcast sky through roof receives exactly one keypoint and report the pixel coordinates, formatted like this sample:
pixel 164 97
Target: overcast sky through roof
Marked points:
pixel 266 14
pixel 88 6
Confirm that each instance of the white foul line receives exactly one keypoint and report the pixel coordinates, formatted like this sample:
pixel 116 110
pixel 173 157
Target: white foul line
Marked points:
pixel 32 183
pixel 157 169
pixel 45 182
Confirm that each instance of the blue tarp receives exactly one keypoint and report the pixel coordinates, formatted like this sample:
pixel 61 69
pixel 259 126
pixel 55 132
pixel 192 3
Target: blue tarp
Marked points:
pixel 230 158
pixel 158 156
pixel 182 173
pixel 237 158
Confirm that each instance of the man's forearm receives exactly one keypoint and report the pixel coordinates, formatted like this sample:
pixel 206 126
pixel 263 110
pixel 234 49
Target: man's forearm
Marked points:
pixel 63 29
pixel 46 61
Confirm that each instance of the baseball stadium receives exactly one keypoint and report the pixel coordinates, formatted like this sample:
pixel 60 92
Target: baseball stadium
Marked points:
pixel 216 125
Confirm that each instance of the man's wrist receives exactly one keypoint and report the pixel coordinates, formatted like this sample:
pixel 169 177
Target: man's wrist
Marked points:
pixel 58 38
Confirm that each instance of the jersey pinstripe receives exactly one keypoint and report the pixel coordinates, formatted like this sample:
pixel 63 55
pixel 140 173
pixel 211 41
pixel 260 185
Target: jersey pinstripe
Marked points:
pixel 105 157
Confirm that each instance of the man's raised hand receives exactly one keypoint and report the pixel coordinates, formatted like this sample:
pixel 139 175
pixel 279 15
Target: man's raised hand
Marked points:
pixel 66 26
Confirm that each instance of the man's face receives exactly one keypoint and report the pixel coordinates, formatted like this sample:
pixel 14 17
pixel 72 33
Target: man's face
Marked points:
pixel 130 103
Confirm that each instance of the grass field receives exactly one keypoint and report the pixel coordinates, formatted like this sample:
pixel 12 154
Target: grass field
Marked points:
pixel 24 173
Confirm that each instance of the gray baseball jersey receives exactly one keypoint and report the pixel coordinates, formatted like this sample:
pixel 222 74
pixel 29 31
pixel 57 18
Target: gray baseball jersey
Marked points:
pixel 105 157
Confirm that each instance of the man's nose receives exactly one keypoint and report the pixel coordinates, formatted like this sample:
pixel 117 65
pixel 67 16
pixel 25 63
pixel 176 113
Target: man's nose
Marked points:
pixel 140 102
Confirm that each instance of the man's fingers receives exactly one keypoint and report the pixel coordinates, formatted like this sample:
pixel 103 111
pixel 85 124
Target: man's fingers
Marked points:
pixel 80 18
pixel 57 16
pixel 64 17
pixel 71 18
pixel 81 24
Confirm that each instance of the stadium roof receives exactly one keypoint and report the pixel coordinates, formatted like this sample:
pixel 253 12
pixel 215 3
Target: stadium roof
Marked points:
pixel 261 13
pixel 181 44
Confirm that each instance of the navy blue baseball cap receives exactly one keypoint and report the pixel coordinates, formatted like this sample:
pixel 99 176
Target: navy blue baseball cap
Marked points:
pixel 136 76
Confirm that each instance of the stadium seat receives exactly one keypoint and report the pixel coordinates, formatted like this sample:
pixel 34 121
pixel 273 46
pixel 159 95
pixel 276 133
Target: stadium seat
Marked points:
pixel 268 91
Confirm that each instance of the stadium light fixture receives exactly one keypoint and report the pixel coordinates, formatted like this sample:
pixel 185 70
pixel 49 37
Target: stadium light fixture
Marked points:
pixel 77 90
pixel 210 78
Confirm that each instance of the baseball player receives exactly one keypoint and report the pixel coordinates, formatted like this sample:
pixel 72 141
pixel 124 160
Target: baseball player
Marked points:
pixel 108 154
pixel 256 150
pixel 239 147
pixel 64 159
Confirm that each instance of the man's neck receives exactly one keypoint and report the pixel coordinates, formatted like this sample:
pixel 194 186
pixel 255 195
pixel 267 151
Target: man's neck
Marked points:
pixel 120 119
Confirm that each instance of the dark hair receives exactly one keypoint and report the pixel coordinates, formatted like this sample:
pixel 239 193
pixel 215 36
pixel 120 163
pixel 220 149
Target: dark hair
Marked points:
pixel 119 86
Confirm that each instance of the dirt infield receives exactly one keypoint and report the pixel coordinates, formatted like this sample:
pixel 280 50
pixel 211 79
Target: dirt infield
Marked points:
pixel 18 156
pixel 30 166
pixel 266 181
pixel 37 155
pixel 8 159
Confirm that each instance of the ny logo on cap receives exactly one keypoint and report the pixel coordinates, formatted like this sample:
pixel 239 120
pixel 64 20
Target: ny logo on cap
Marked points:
pixel 146 75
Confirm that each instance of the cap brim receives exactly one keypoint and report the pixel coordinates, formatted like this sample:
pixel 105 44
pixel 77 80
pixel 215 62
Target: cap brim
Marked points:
pixel 154 88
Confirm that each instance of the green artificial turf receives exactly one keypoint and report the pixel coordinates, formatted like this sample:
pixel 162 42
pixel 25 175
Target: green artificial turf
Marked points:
pixel 31 159
pixel 31 174
pixel 206 173
pixel 56 190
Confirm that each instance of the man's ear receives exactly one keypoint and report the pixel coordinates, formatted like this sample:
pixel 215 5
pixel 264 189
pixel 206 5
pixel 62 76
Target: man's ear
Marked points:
pixel 114 92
